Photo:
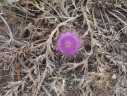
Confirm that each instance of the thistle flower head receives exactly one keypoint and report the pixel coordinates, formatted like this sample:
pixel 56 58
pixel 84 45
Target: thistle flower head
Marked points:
pixel 68 43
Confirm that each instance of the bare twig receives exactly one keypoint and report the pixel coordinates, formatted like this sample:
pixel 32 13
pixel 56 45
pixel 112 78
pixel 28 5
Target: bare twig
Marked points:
pixel 46 90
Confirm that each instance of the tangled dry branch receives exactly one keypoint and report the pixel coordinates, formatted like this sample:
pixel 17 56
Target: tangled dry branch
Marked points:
pixel 31 65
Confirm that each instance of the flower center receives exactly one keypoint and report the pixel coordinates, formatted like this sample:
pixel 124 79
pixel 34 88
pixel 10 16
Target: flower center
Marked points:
pixel 68 44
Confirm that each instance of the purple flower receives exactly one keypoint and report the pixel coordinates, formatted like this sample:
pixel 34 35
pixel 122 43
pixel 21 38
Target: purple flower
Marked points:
pixel 68 43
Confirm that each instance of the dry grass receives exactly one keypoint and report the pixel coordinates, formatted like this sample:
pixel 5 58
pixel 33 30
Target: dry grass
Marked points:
pixel 30 65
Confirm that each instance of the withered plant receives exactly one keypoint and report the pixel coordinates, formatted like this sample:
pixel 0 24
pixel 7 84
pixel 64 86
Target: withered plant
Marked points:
pixel 31 65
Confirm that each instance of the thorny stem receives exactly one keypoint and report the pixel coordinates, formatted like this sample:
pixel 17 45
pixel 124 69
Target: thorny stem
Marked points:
pixel 18 8
pixel 125 23
pixel 9 29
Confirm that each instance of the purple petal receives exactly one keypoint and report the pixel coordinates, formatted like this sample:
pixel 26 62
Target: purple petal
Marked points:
pixel 68 43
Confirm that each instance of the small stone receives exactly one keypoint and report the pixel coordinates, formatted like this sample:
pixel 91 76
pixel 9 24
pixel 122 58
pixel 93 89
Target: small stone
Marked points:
pixel 114 76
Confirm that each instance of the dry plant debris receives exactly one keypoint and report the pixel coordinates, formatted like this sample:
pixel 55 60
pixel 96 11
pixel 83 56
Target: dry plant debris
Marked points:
pixel 30 65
